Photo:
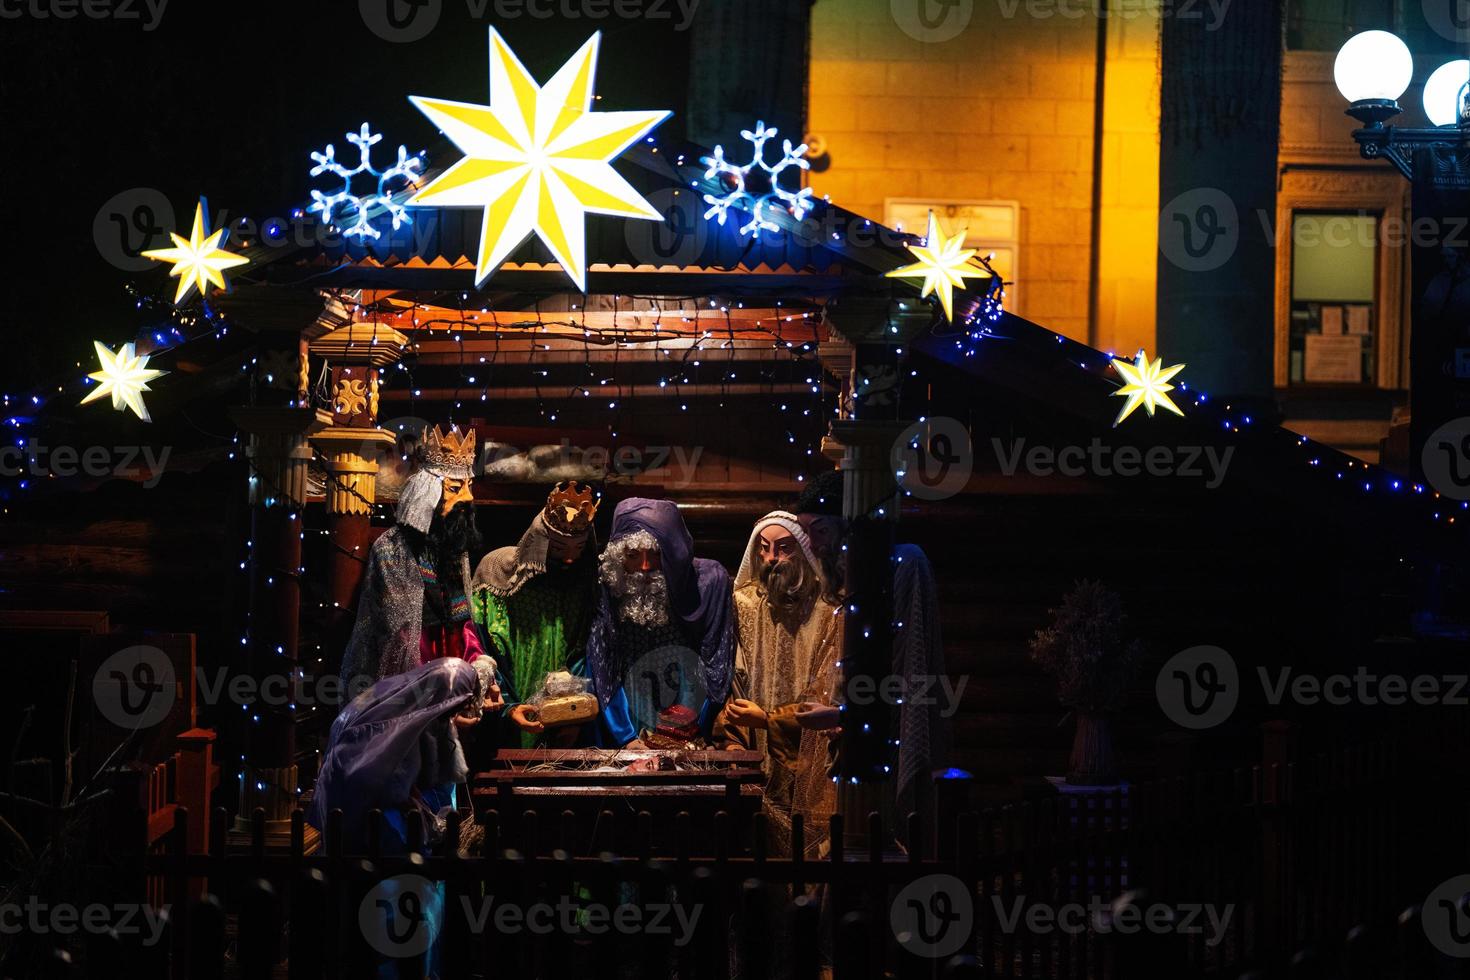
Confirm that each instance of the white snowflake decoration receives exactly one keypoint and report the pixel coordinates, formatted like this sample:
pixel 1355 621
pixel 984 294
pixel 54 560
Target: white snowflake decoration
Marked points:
pixel 797 203
pixel 334 206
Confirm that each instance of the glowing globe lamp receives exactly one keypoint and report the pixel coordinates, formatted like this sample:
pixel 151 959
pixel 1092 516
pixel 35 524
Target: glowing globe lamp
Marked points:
pixel 1444 93
pixel 1372 70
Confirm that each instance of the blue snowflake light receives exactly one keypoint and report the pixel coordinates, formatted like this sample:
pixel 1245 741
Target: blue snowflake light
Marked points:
pixel 334 207
pixel 797 203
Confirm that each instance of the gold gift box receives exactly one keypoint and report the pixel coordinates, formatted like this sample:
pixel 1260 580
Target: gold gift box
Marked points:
pixel 570 709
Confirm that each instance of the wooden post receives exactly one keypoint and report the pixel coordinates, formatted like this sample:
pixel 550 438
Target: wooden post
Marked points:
pixel 196 778
pixel 865 438
pixel 353 445
pixel 1277 753
pixel 279 455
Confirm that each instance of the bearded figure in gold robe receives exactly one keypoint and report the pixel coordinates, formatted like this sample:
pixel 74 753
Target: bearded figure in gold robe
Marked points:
pixel 783 696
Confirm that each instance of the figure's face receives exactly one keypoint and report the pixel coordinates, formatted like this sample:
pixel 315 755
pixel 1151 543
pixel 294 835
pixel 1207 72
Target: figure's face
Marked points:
pixel 776 545
pixel 642 560
pixel 455 492
pixel 565 551
pixel 825 532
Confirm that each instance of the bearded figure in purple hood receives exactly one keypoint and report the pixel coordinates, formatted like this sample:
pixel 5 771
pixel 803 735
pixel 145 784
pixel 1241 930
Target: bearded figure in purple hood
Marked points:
pixel 662 641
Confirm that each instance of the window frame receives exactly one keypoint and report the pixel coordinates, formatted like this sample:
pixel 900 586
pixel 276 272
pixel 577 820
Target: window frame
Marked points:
pixel 1348 191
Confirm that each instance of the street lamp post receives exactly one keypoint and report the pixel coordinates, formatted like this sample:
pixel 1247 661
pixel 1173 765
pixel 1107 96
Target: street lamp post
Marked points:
pixel 1373 70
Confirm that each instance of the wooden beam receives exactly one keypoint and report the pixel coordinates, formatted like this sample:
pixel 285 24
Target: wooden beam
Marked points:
pixel 560 390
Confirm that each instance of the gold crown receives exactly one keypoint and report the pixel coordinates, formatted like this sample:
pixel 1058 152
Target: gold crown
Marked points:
pixel 450 455
pixel 569 510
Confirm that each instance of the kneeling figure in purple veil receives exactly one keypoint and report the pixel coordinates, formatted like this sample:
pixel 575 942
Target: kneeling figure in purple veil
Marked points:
pixel 395 749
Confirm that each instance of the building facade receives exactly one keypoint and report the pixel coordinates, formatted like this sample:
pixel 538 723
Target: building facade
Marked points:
pixel 1036 125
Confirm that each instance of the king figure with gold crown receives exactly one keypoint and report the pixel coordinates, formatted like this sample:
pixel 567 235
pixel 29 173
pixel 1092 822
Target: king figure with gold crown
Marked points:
pixel 534 601
pixel 414 607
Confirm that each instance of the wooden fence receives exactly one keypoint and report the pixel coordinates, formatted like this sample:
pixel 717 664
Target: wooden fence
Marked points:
pixel 1307 868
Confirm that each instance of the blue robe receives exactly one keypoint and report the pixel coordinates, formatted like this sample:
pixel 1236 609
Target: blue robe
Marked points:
pixel 702 618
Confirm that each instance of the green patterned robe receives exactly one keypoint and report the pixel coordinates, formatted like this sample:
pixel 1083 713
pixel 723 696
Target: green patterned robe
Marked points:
pixel 539 629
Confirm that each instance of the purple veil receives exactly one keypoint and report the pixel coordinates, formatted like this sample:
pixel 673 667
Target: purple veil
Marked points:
pixel 394 736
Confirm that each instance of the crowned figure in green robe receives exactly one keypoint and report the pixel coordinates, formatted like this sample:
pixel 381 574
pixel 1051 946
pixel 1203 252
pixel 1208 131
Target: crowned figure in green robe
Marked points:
pixel 534 601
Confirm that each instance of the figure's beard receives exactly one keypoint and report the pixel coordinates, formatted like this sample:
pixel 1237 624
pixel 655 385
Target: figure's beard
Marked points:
pixel 788 585
pixel 451 536
pixel 642 597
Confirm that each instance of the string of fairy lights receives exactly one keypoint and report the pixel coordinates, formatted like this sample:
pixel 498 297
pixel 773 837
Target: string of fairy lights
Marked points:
pixel 688 351
pixel 683 366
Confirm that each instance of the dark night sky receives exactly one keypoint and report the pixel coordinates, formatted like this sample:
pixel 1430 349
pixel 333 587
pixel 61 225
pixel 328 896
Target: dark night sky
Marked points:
pixel 229 101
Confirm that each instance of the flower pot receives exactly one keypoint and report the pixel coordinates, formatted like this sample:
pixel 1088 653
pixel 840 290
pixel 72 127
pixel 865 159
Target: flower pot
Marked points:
pixel 1093 761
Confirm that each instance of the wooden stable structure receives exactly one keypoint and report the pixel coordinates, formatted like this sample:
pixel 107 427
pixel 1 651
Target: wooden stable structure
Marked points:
pixel 710 344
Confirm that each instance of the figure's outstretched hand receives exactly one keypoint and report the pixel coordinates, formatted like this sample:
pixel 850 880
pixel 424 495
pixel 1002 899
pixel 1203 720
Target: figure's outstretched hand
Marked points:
pixel 493 699
pixel 746 714
pixel 818 717
pixel 528 718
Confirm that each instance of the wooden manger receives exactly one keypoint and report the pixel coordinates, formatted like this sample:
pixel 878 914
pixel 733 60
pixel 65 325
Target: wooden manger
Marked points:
pixel 586 801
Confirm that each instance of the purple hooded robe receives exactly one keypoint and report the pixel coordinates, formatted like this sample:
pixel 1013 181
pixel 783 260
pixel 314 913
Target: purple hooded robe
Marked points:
pixel 394 738
pixel 700 602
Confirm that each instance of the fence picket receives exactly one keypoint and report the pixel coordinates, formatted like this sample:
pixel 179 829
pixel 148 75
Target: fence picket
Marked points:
pixel 1297 851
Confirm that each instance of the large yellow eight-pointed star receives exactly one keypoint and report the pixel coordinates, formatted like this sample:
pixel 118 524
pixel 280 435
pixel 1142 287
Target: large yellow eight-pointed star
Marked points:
pixel 197 260
pixel 124 376
pixel 943 265
pixel 536 159
pixel 1146 385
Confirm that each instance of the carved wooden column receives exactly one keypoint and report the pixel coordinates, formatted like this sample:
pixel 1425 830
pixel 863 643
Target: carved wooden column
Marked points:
pixel 877 328
pixel 279 455
pixel 353 446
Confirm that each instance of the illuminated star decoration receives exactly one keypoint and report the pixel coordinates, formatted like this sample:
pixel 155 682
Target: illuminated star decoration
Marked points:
pixel 537 159
pixel 943 264
pixel 124 376
pixel 197 260
pixel 1146 385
